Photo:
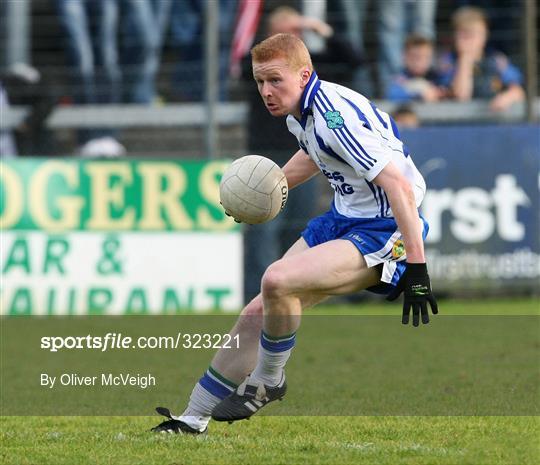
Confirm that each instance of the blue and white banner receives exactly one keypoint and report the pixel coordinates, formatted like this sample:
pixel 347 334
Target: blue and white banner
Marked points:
pixel 482 204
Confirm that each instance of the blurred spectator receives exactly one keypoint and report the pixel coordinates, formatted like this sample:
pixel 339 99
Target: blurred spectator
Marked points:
pixel 349 19
pixel 336 62
pixel 162 13
pixel 144 25
pixel 505 23
pixel 395 20
pixel 187 30
pixel 91 33
pixel 405 117
pixel 7 142
pixel 246 25
pixel 105 70
pixel 418 80
pixel 28 88
pixel 473 70
pixel 269 136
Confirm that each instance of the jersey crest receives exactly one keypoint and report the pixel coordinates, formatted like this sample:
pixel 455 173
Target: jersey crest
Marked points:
pixel 334 120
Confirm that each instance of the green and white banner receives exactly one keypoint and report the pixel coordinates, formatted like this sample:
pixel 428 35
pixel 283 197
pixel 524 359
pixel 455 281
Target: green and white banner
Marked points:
pixel 116 237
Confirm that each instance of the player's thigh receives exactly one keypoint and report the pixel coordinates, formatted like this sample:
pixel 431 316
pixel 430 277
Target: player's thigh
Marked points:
pixel 254 308
pixel 299 246
pixel 332 268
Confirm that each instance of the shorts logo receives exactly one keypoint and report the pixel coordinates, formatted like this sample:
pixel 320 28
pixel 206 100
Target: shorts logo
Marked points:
pixel 334 120
pixel 398 249
pixel 356 237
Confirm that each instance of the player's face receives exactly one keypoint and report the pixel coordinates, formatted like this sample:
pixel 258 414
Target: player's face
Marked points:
pixel 280 87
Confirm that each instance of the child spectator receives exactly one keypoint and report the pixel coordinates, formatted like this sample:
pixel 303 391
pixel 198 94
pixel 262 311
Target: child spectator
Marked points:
pixel 473 70
pixel 418 80
pixel 405 117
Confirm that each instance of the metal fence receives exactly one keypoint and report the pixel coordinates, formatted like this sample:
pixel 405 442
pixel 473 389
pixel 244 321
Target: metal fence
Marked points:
pixel 30 33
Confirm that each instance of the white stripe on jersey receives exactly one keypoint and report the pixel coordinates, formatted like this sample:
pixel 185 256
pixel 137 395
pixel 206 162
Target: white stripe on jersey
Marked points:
pixel 352 141
pixel 309 89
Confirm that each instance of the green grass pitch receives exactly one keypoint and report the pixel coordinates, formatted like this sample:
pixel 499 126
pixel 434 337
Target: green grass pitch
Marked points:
pixel 269 440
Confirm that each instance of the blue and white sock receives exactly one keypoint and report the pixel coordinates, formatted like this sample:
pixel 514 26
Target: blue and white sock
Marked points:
pixel 274 351
pixel 211 389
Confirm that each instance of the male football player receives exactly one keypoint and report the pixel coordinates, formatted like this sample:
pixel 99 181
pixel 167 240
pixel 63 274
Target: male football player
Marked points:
pixel 371 238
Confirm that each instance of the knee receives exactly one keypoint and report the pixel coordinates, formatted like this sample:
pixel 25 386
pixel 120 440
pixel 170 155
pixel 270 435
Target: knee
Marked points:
pixel 274 281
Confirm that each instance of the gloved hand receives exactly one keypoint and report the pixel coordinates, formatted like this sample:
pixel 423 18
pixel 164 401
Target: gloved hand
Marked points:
pixel 235 220
pixel 417 293
pixel 228 214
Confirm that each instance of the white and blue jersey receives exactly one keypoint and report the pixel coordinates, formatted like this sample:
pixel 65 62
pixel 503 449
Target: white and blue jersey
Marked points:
pixel 351 141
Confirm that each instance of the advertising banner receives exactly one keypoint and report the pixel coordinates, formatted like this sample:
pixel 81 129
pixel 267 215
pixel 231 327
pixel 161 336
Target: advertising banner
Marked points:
pixel 482 204
pixel 116 237
pixel 147 236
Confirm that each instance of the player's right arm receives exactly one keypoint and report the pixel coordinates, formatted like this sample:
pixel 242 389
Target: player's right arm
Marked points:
pixel 299 169
pixel 363 149
pixel 415 282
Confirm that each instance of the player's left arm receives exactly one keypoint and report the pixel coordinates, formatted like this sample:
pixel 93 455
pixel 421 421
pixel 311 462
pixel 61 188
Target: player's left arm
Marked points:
pixel 415 283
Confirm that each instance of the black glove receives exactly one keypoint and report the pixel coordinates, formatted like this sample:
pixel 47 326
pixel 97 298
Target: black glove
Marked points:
pixel 416 289
pixel 228 214
pixel 235 220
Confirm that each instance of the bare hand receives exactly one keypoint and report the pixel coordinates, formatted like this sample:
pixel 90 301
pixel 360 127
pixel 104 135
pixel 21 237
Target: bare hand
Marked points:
pixel 500 103
pixel 431 93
